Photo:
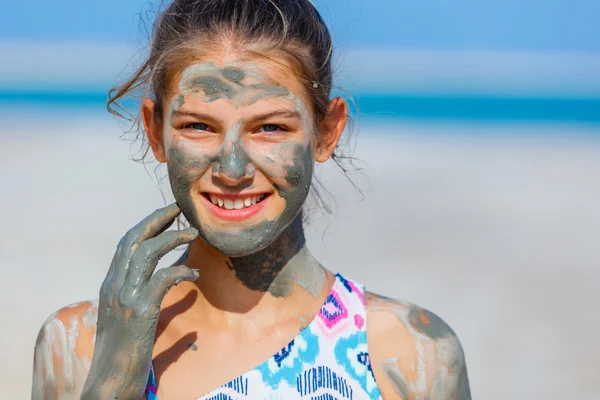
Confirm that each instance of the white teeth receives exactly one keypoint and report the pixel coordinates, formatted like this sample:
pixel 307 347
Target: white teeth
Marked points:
pixel 238 204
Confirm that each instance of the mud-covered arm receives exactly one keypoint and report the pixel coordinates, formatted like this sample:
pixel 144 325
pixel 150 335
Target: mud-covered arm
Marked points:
pixel 129 307
pixel 122 324
pixel 54 369
pixel 415 355
pixel 63 352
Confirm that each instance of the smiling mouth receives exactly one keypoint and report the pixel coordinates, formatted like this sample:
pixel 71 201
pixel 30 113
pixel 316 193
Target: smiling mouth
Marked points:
pixel 238 203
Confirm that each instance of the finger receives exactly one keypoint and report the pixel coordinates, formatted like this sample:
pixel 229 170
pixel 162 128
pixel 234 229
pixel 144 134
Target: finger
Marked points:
pixel 149 252
pixel 150 226
pixel 109 279
pixel 108 282
pixel 155 291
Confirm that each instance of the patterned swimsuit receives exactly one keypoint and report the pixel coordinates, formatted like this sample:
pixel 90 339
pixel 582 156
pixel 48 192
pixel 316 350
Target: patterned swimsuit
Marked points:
pixel 328 360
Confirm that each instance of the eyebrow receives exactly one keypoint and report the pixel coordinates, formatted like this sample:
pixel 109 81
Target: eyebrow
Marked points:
pixel 197 115
pixel 276 113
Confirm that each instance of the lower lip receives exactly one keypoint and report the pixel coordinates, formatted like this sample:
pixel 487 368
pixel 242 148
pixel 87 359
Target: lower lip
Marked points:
pixel 235 215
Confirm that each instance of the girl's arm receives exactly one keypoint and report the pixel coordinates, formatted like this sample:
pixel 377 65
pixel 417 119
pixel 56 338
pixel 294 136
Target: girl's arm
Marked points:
pixel 63 352
pixel 127 316
pixel 129 307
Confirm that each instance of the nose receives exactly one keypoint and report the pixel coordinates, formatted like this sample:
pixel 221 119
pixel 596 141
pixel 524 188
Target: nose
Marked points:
pixel 233 167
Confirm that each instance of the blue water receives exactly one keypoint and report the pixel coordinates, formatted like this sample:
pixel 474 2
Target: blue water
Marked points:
pixel 378 106
pixel 480 108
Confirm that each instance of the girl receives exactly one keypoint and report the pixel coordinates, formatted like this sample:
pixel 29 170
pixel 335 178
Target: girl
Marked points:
pixel 238 106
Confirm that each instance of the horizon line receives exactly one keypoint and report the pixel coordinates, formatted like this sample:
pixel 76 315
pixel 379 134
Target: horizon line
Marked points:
pixel 55 65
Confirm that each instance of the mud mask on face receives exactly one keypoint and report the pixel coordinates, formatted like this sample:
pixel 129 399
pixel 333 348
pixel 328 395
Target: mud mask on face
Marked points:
pixel 290 163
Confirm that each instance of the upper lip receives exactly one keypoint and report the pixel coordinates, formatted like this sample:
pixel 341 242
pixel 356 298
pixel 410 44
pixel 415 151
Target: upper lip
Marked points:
pixel 241 195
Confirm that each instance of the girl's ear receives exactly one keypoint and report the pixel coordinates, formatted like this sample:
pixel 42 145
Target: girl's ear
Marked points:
pixel 154 129
pixel 331 129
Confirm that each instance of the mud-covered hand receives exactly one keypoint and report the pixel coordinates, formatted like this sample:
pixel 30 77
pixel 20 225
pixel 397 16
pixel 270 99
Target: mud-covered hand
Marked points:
pixel 129 306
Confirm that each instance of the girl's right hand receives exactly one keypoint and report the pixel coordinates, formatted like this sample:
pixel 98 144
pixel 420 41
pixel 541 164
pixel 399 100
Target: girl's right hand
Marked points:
pixel 129 306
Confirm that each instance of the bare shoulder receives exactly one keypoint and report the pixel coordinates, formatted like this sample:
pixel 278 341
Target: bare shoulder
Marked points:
pixel 387 314
pixel 414 353
pixel 63 352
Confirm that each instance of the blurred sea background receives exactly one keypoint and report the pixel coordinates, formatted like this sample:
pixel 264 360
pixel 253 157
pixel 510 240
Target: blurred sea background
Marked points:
pixel 479 149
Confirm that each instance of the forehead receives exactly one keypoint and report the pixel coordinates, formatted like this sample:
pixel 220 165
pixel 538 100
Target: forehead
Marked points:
pixel 214 74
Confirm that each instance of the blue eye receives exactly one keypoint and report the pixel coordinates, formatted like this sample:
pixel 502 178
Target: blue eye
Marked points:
pixel 271 128
pixel 198 126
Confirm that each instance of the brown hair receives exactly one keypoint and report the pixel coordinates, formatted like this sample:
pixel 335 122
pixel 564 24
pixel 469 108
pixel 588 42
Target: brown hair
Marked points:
pixel 292 29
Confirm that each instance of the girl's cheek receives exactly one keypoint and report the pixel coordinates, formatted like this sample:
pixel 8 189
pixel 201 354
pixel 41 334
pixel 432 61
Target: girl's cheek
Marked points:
pixel 284 163
pixel 270 161
pixel 189 160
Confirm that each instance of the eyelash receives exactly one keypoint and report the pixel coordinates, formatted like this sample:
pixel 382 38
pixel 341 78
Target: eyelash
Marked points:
pixel 191 126
pixel 279 128
pixel 208 128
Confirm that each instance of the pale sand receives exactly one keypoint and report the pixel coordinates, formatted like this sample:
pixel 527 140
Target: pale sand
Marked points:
pixel 497 234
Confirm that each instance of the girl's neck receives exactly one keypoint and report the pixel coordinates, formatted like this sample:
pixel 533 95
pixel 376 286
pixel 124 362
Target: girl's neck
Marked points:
pixel 272 278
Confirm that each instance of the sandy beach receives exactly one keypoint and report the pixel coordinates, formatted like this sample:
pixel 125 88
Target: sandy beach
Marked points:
pixel 496 228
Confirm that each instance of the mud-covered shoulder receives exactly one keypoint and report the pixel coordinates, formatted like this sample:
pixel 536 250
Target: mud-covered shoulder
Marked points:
pixel 414 353
pixel 415 318
pixel 63 352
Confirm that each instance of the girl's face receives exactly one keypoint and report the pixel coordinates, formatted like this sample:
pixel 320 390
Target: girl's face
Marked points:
pixel 240 147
